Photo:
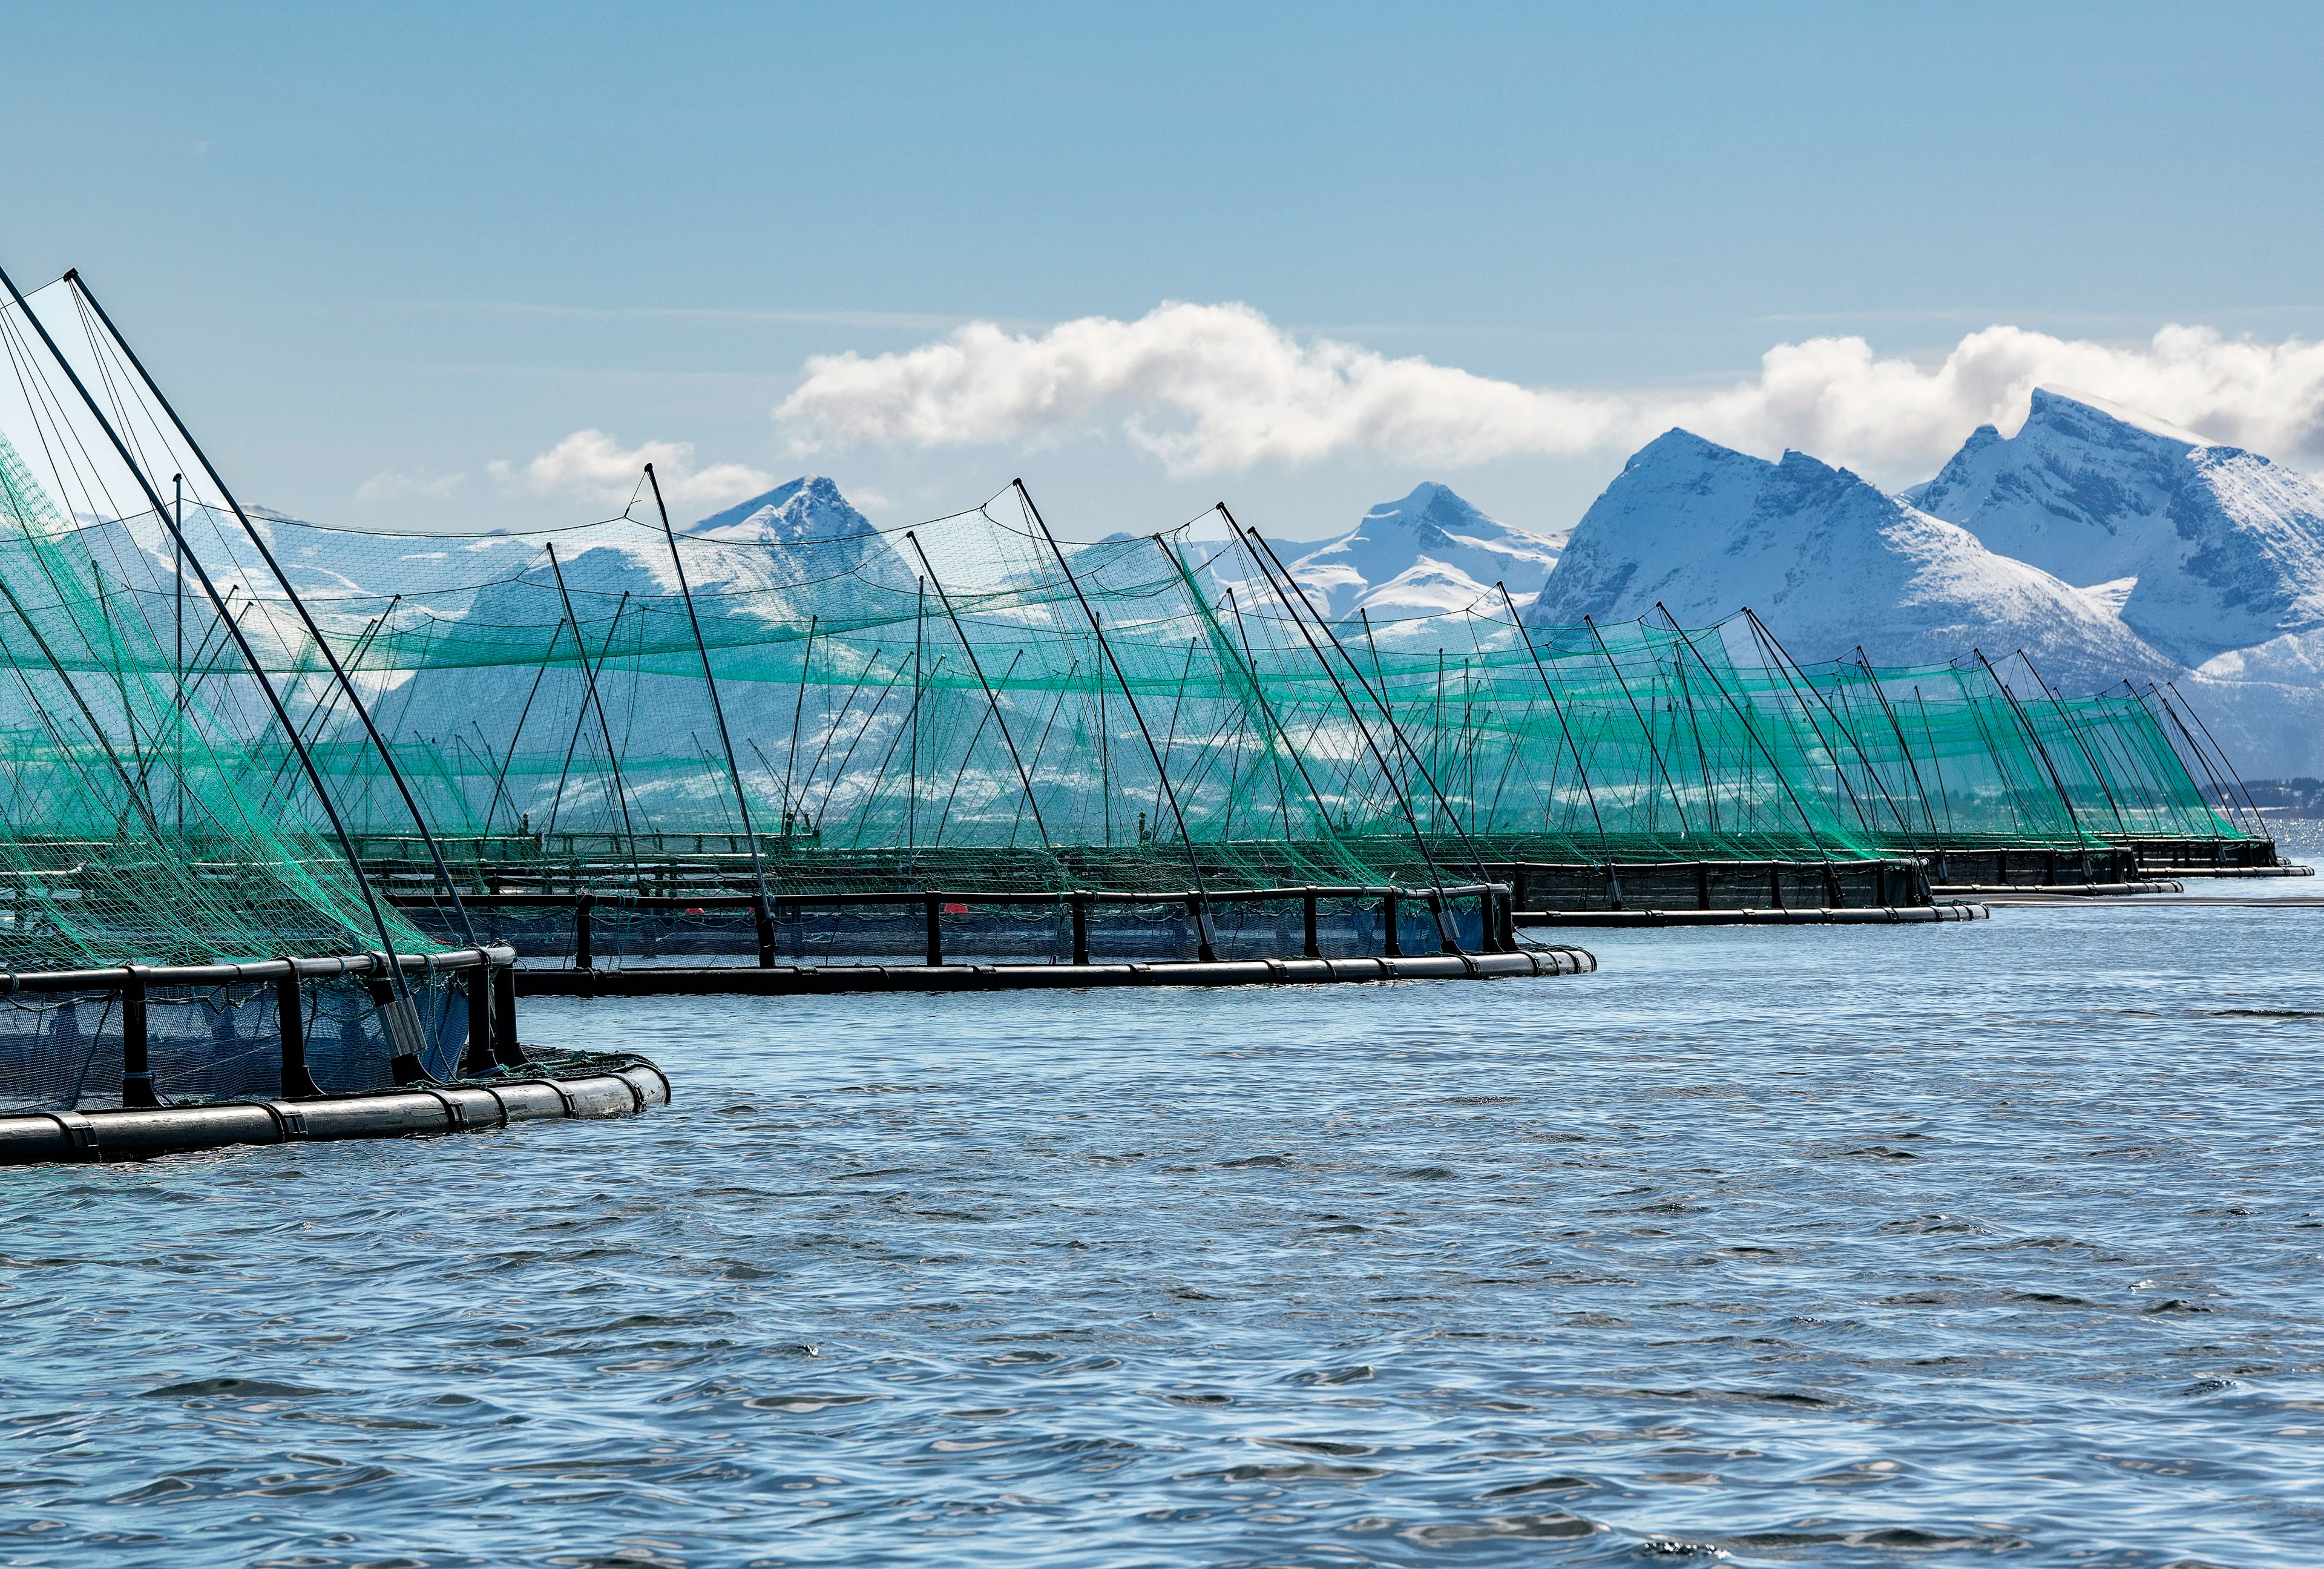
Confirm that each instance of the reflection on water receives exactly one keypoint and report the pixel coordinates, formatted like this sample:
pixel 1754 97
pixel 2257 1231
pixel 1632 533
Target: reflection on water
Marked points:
pixel 1834 1246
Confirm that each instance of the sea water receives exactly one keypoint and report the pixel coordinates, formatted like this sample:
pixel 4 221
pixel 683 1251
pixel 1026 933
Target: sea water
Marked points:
pixel 1923 1244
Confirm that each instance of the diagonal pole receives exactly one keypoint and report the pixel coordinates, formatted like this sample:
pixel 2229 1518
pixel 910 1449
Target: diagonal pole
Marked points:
pixel 1205 948
pixel 1605 850
pixel 742 802
pixel 992 702
pixel 604 727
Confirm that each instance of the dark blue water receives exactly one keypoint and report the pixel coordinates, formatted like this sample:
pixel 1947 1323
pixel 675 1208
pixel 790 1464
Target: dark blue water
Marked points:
pixel 1924 1245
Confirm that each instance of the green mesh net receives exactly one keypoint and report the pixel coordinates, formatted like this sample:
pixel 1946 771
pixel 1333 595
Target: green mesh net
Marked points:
pixel 963 705
pixel 813 705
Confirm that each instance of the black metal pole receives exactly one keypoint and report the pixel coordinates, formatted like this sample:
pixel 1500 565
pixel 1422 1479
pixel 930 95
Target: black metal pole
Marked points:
pixel 799 714
pixel 297 1082
pixel 919 691
pixel 2074 730
pixel 2202 760
pixel 604 727
pixel 1205 948
pixel 1784 665
pixel 505 1049
pixel 1605 849
pixel 1864 663
pixel 1806 822
pixel 992 700
pixel 136 1061
pixel 177 661
pixel 500 779
pixel 1249 668
pixel 138 801
pixel 580 709
pixel 1644 729
pixel 761 917
pixel 2233 773
pixel 1372 743
pixel 2082 836
pixel 1378 700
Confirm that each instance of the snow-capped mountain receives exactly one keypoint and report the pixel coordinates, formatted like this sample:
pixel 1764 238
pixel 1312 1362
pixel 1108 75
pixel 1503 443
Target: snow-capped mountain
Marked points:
pixel 1427 554
pixel 1827 562
pixel 808 508
pixel 2217 547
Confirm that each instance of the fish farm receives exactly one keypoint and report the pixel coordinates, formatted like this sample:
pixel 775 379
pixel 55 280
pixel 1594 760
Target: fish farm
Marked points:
pixel 296 812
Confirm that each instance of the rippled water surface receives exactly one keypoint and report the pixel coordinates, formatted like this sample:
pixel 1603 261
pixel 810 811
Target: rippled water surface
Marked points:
pixel 1928 1245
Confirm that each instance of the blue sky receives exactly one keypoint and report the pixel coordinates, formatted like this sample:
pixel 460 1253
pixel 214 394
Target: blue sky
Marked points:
pixel 376 251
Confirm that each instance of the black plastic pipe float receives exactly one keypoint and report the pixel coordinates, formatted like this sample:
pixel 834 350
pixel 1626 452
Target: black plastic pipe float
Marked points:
pixel 2285 871
pixel 2060 890
pixel 618 1087
pixel 831 980
pixel 1891 914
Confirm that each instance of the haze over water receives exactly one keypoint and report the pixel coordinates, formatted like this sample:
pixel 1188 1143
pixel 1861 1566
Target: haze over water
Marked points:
pixel 1928 1245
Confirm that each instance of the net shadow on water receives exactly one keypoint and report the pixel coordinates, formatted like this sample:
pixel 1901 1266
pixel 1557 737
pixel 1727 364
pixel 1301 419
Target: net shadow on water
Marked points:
pixel 1831 1246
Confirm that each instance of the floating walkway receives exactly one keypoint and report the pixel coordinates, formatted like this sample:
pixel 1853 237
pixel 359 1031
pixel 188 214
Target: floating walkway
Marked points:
pixel 1882 915
pixel 2055 889
pixel 836 980
pixel 2032 899
pixel 2287 870
pixel 604 1087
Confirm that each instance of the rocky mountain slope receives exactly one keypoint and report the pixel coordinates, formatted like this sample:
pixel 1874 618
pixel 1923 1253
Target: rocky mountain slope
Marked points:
pixel 2208 548
pixel 1828 562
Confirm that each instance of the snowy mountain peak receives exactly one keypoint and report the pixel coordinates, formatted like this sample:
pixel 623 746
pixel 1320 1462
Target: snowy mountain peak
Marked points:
pixel 1825 559
pixel 1425 553
pixel 808 508
pixel 2064 408
pixel 2228 548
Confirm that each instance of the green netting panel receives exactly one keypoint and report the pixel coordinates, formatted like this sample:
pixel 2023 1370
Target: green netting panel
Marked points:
pixel 965 706
pixel 145 820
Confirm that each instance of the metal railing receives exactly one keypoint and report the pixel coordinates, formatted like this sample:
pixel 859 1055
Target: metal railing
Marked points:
pixel 1494 909
pixel 483 971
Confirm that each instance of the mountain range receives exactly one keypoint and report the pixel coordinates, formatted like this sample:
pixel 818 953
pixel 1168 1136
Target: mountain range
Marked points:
pixel 2105 544
pixel 1828 562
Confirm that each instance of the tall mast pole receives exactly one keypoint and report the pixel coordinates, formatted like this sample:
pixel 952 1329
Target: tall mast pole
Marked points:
pixel 1807 823
pixel 2057 781
pixel 919 675
pixel 2233 773
pixel 1378 700
pixel 1605 850
pixel 1249 666
pixel 604 725
pixel 1204 946
pixel 992 701
pixel 177 659
pixel 2074 730
pixel 799 713
pixel 1643 728
pixel 742 802
pixel 1256 545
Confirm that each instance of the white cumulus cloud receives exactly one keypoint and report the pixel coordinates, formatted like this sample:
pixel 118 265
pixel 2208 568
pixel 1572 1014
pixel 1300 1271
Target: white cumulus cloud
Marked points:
pixel 595 466
pixel 1212 389
pixel 390 486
